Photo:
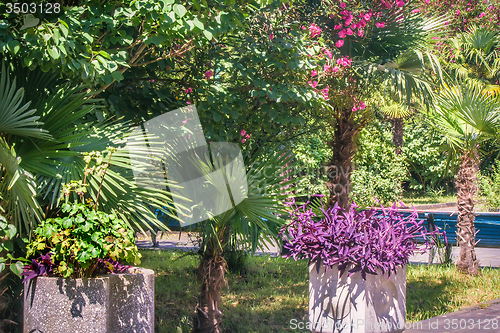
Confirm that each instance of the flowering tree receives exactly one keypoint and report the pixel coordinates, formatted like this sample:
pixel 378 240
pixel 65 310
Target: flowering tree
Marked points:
pixel 362 45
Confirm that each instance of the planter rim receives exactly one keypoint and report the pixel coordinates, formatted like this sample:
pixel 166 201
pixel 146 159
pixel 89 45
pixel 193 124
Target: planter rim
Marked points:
pixel 378 269
pixel 130 271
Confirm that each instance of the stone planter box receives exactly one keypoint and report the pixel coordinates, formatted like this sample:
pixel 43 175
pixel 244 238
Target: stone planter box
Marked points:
pixel 111 303
pixel 351 304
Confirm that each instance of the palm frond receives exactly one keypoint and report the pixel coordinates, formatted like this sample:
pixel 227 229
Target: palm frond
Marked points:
pixel 256 220
pixel 18 191
pixel 466 115
pixel 17 119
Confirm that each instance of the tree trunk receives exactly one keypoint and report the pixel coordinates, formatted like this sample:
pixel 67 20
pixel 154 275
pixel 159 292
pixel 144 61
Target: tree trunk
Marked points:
pixel 466 231
pixel 211 273
pixel 340 166
pixel 397 133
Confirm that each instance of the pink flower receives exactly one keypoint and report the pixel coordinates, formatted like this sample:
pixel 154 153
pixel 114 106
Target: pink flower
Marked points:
pixel 400 3
pixel 247 136
pixel 344 61
pixel 243 132
pixel 362 24
pixel 362 106
pixel 427 2
pixel 361 33
pixel 314 30
pixel 329 54
pixel 188 102
pixel 342 5
pixel 208 74
pixel 348 21
pixel 324 92
pixel 349 31
pixel 367 16
pixel 416 10
pixel 313 84
pixel 342 33
pixel 314 73
pixel 335 69
pixel 243 141
pixel 337 27
pixel 482 14
pixel 271 36
pixel 380 24
pixel 458 11
pixel 339 43
pixel 327 68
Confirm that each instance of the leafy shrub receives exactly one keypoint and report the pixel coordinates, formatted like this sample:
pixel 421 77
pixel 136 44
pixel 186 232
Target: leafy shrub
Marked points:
pixel 490 187
pixel 80 244
pixel 312 152
pixel 84 241
pixel 362 241
pixel 7 233
pixel 12 249
pixel 379 171
pixel 426 161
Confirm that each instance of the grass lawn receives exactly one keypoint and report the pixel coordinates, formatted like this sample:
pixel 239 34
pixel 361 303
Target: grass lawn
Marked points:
pixel 427 200
pixel 272 291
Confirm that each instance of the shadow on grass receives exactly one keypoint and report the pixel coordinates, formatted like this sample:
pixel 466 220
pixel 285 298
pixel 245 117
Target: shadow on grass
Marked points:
pixel 427 298
pixel 263 298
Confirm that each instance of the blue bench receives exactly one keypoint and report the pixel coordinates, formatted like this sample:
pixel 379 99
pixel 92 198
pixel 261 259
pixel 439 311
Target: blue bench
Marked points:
pixel 487 225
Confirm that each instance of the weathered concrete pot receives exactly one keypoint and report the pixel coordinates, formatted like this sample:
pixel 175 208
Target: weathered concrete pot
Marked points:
pixel 111 303
pixel 351 304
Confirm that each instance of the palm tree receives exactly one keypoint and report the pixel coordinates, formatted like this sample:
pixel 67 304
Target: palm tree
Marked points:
pixel 467 116
pixel 476 56
pixel 388 50
pixel 253 223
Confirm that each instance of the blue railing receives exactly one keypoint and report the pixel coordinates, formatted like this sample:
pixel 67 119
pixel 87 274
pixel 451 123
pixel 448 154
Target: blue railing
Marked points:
pixel 487 225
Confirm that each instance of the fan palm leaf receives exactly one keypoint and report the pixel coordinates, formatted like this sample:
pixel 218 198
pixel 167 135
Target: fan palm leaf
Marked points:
pixel 53 154
pixel 17 190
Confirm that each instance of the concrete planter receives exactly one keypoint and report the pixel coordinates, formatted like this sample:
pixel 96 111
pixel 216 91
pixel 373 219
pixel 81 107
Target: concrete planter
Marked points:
pixel 351 304
pixel 111 303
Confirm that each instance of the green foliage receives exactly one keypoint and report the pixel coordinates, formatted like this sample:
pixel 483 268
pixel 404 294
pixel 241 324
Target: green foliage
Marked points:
pixel 260 79
pixel 257 219
pixel 77 240
pixel 7 244
pixel 379 171
pixel 97 42
pixel 312 154
pixel 490 187
pixel 426 162
pixel 466 116
pixel 50 138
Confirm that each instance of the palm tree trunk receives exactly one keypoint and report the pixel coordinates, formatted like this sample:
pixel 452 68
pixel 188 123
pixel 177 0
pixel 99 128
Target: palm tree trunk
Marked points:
pixel 397 133
pixel 466 231
pixel 340 166
pixel 211 272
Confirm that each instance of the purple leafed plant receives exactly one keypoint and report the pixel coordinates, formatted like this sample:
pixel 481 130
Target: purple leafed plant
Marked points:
pixel 44 266
pixel 362 241
pixel 39 267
